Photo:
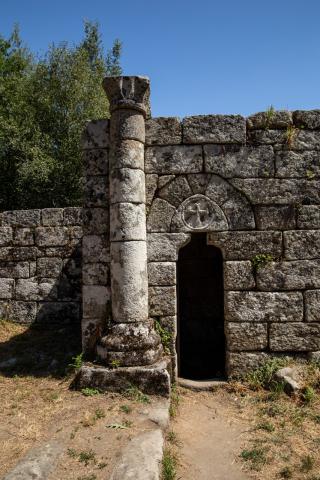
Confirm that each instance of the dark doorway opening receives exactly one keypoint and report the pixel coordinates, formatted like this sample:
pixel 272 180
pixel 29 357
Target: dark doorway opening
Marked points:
pixel 200 340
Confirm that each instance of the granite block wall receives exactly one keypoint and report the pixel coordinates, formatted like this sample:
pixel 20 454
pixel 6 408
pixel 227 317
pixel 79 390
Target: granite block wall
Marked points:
pixel 40 266
pixel 254 186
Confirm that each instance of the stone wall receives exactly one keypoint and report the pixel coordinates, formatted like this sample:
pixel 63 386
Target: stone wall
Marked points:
pixel 40 266
pixel 256 182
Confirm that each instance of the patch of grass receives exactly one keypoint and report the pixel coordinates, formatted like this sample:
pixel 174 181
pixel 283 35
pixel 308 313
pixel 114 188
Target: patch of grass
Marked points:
pixel 87 457
pixel 76 363
pixel 174 401
pixel 308 395
pixel 260 260
pixel 169 465
pixel 266 426
pixel 90 392
pixel 126 408
pixel 286 472
pixel 256 457
pixel 269 116
pixel 307 463
pixel 135 394
pixel 165 335
pixel 263 377
pixel 291 134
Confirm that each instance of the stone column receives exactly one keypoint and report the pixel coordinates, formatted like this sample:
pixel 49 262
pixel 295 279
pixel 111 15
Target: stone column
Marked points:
pixel 131 340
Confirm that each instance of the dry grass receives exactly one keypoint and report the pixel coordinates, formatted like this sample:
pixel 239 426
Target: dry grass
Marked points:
pixel 37 405
pixel 284 438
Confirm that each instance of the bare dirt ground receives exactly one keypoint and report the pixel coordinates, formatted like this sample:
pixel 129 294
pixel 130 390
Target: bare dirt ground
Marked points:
pixel 211 432
pixel 37 405
pixel 244 431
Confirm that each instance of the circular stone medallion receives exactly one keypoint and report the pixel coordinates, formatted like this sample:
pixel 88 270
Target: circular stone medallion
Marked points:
pixel 198 212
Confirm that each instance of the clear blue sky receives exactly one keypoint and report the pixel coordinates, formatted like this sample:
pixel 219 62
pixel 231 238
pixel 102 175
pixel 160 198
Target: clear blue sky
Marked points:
pixel 203 56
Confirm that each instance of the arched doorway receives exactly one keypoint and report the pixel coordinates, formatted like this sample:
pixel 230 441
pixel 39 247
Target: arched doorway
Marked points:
pixel 200 340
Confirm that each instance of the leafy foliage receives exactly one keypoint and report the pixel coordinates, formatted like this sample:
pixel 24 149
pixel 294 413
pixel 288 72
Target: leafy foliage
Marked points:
pixel 44 105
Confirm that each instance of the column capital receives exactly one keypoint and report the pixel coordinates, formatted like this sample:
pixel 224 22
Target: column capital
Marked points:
pixel 128 92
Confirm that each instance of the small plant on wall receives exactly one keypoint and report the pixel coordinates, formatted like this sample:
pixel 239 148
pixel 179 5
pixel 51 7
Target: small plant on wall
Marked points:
pixel 261 260
pixel 165 336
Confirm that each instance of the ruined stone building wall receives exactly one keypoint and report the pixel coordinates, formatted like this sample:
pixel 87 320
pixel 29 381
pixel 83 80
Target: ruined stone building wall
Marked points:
pixel 257 182
pixel 40 266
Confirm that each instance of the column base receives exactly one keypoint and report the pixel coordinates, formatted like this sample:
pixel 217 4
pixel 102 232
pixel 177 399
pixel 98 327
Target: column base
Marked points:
pixel 151 379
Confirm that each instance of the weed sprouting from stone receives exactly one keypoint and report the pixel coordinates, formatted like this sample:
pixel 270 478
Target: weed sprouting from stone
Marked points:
pixel 76 363
pixel 135 394
pixel 263 377
pixel 169 465
pixel 165 335
pixel 260 260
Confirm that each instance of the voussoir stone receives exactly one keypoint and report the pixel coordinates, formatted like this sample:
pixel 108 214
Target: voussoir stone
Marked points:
pixel 263 307
pixel 163 131
pixel 214 129
pixel 151 181
pixel 162 273
pixel 312 305
pixel 160 216
pixel 238 275
pixel 173 159
pixel 176 191
pixel 308 216
pixel 246 336
pixel 299 337
pixel 301 244
pixel 234 161
pixel 245 245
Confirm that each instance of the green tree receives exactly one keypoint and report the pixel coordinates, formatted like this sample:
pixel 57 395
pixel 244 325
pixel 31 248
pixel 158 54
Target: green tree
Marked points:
pixel 44 105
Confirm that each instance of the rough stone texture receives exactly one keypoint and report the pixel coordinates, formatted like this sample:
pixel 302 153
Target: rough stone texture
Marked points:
pixel 307 119
pixel 308 216
pixel 294 337
pixel 162 273
pixel 263 307
pixel 160 216
pixel 127 222
pixel 128 125
pixel 297 164
pixel 233 161
pixel 128 185
pixel 245 245
pixel 152 379
pixel 291 275
pixel 96 221
pixel 95 248
pixel 241 363
pixel 96 134
pixel 163 131
pixel 289 377
pixel 151 187
pixel 96 161
pixel 301 244
pixel 96 191
pixel 267 137
pixel 163 247
pixel 312 305
pixel 41 283
pixel 246 336
pixel 176 191
pixel 214 129
pixel 173 160
pixel 275 217
pixel 130 302
pixel 238 275
pixel 95 300
pixel 270 119
pixel 95 273
pixel 278 191
pixel 38 463
pixel 128 154
pixel 162 301
pixel 141 459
